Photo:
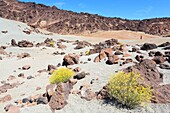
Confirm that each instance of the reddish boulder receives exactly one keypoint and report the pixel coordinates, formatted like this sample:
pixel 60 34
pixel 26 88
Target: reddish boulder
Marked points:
pixel 159 59
pixel 5 98
pixel 70 59
pixel 103 54
pixel 59 98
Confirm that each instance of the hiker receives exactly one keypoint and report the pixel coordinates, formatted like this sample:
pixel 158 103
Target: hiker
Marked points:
pixel 141 37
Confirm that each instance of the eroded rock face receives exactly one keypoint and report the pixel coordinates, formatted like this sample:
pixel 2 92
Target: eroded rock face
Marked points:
pixel 67 22
pixel 70 59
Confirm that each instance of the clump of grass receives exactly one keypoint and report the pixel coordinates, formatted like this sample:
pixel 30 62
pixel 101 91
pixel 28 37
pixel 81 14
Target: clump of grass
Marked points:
pixel 126 89
pixel 61 75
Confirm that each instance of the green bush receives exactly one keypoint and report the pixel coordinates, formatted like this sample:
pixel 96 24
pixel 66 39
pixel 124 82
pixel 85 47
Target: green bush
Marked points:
pixel 61 75
pixel 126 89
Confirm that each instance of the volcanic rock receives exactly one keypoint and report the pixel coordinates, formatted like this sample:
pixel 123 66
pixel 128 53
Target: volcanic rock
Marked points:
pixel 13 42
pixel 159 59
pixel 70 59
pixel 148 46
pixel 164 44
pixel 25 43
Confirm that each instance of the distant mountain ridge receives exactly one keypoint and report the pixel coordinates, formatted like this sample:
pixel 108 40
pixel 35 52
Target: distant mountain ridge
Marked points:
pixel 67 22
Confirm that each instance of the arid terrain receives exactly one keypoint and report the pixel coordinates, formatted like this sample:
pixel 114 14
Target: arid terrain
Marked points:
pixel 36 40
pixel 27 61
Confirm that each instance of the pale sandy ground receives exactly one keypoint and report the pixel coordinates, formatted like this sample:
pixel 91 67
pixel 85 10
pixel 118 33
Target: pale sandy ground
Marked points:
pixel 41 58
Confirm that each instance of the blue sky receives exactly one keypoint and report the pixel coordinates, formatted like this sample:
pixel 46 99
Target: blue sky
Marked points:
pixel 129 9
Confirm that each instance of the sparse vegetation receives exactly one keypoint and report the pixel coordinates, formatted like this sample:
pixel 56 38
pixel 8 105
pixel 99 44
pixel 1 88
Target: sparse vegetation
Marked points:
pixel 61 75
pixel 52 43
pixel 87 52
pixel 126 89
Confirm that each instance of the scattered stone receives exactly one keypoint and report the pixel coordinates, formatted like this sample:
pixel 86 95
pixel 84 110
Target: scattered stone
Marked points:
pixel 51 68
pixel 70 59
pixel 11 77
pixel 4 32
pixel 23 55
pixel 167 54
pixel 118 53
pixel 73 81
pixel 148 46
pixel 80 75
pixel 38 88
pixel 128 60
pixel 42 100
pixel 58 53
pixel 30 77
pixel 25 100
pixel 159 59
pixel 61 46
pixel 77 69
pixel 59 97
pixel 5 98
pixel 13 42
pixel 102 94
pixel 167 48
pixel 89 59
pixel 87 93
pixel 6 86
pixel 1 58
pixel 27 31
pixel 21 75
pixel 134 49
pixel 103 54
pixel 164 44
pixel 158 53
pixel 13 109
pixel 26 67
pixel 112 60
pixel 2 51
pixel 139 58
pixel 164 66
pixel 25 43
pixel 41 71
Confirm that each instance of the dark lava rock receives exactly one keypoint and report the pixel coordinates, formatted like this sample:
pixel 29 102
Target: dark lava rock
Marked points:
pixel 118 53
pixel 25 100
pixel 42 100
pixel 159 59
pixel 21 75
pixel 164 44
pixel 148 46
pixel 80 76
pixel 25 43
pixel 164 66
pixel 158 53
pixel 167 48
pixel 13 42
pixel 139 58
pixel 30 77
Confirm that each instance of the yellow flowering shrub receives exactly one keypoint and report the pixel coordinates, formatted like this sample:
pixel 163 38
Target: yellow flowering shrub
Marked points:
pixel 52 43
pixel 87 52
pixel 126 89
pixel 61 75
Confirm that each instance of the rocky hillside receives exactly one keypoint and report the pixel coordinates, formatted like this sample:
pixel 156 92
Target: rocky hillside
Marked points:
pixel 68 22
